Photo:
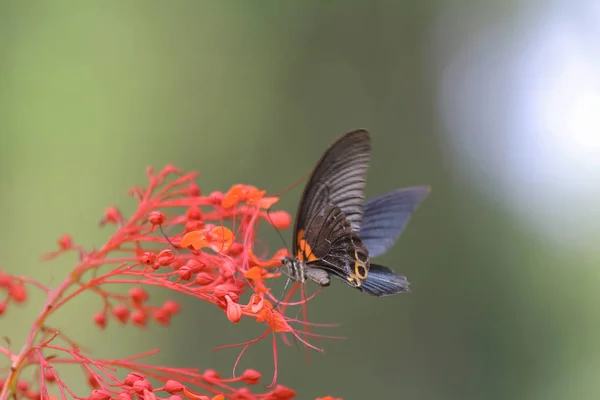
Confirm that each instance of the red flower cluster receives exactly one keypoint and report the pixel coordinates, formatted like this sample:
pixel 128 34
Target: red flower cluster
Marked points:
pixel 207 254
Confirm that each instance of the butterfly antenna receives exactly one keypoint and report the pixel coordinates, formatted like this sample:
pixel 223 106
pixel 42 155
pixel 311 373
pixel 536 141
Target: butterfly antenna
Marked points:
pixel 167 238
pixel 276 229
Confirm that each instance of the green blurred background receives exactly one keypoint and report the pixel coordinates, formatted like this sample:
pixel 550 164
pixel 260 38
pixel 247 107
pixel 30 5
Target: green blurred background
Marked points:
pixel 504 294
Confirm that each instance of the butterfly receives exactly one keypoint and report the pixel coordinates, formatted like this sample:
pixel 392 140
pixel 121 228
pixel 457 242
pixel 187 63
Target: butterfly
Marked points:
pixel 336 233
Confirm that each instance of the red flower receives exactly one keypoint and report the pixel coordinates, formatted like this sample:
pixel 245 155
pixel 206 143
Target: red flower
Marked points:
pixel 209 255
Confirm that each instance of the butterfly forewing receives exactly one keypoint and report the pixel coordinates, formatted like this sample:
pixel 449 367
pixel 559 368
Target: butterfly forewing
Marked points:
pixel 339 178
pixel 330 244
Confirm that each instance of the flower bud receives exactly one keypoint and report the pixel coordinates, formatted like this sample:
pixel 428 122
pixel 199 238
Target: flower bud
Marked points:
pixel 141 385
pixel 172 307
pixel 162 316
pixel 18 293
pixel 234 310
pixel 195 265
pixel 148 258
pixel 65 242
pixel 92 380
pixel 111 216
pixel 99 395
pixel 251 377
pixel 185 273
pixel 49 375
pixel 280 219
pixel 193 190
pixel 121 313
pixel 193 214
pixel 194 225
pixel 165 257
pixel 139 318
pixel 138 295
pixel 211 376
pixel 173 387
pixel 156 218
pixel 216 197
pixel 100 319
pixel 124 396
pixel 132 377
pixel 282 393
pixel 204 278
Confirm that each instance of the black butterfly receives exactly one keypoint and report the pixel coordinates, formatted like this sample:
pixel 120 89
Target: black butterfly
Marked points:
pixel 336 233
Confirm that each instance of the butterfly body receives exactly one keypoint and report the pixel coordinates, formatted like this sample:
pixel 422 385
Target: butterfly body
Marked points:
pixel 328 224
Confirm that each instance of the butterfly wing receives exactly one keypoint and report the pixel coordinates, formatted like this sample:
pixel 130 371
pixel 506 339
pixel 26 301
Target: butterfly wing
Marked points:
pixel 386 216
pixel 330 244
pixel 382 281
pixel 339 178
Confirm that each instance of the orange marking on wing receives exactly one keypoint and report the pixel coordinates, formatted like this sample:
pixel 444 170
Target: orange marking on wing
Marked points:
pixel 304 248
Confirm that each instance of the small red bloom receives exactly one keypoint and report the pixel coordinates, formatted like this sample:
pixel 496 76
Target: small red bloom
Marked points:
pixel 165 257
pixel 22 385
pixel 216 198
pixel 194 214
pixel 139 318
pixel 141 385
pixel 99 395
pixel 92 381
pixel 195 265
pixel 172 387
pixel 280 219
pixel 111 216
pixel 204 278
pixel 251 377
pixel 193 225
pixel 172 307
pixel 193 190
pixel 226 289
pixel 100 319
pixel 138 295
pixel 162 316
pixel 282 393
pixel 65 242
pixel 156 218
pixel 236 249
pixel 234 310
pixel 18 293
pixel 185 273
pixel 121 313
pixel 132 378
pixel 49 375
pixel 148 258
pixel 211 376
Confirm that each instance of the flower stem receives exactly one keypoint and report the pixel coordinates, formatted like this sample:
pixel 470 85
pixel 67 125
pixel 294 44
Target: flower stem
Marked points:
pixel 19 360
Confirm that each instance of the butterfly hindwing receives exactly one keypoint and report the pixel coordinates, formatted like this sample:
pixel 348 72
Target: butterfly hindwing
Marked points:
pixel 382 281
pixel 330 244
pixel 386 216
